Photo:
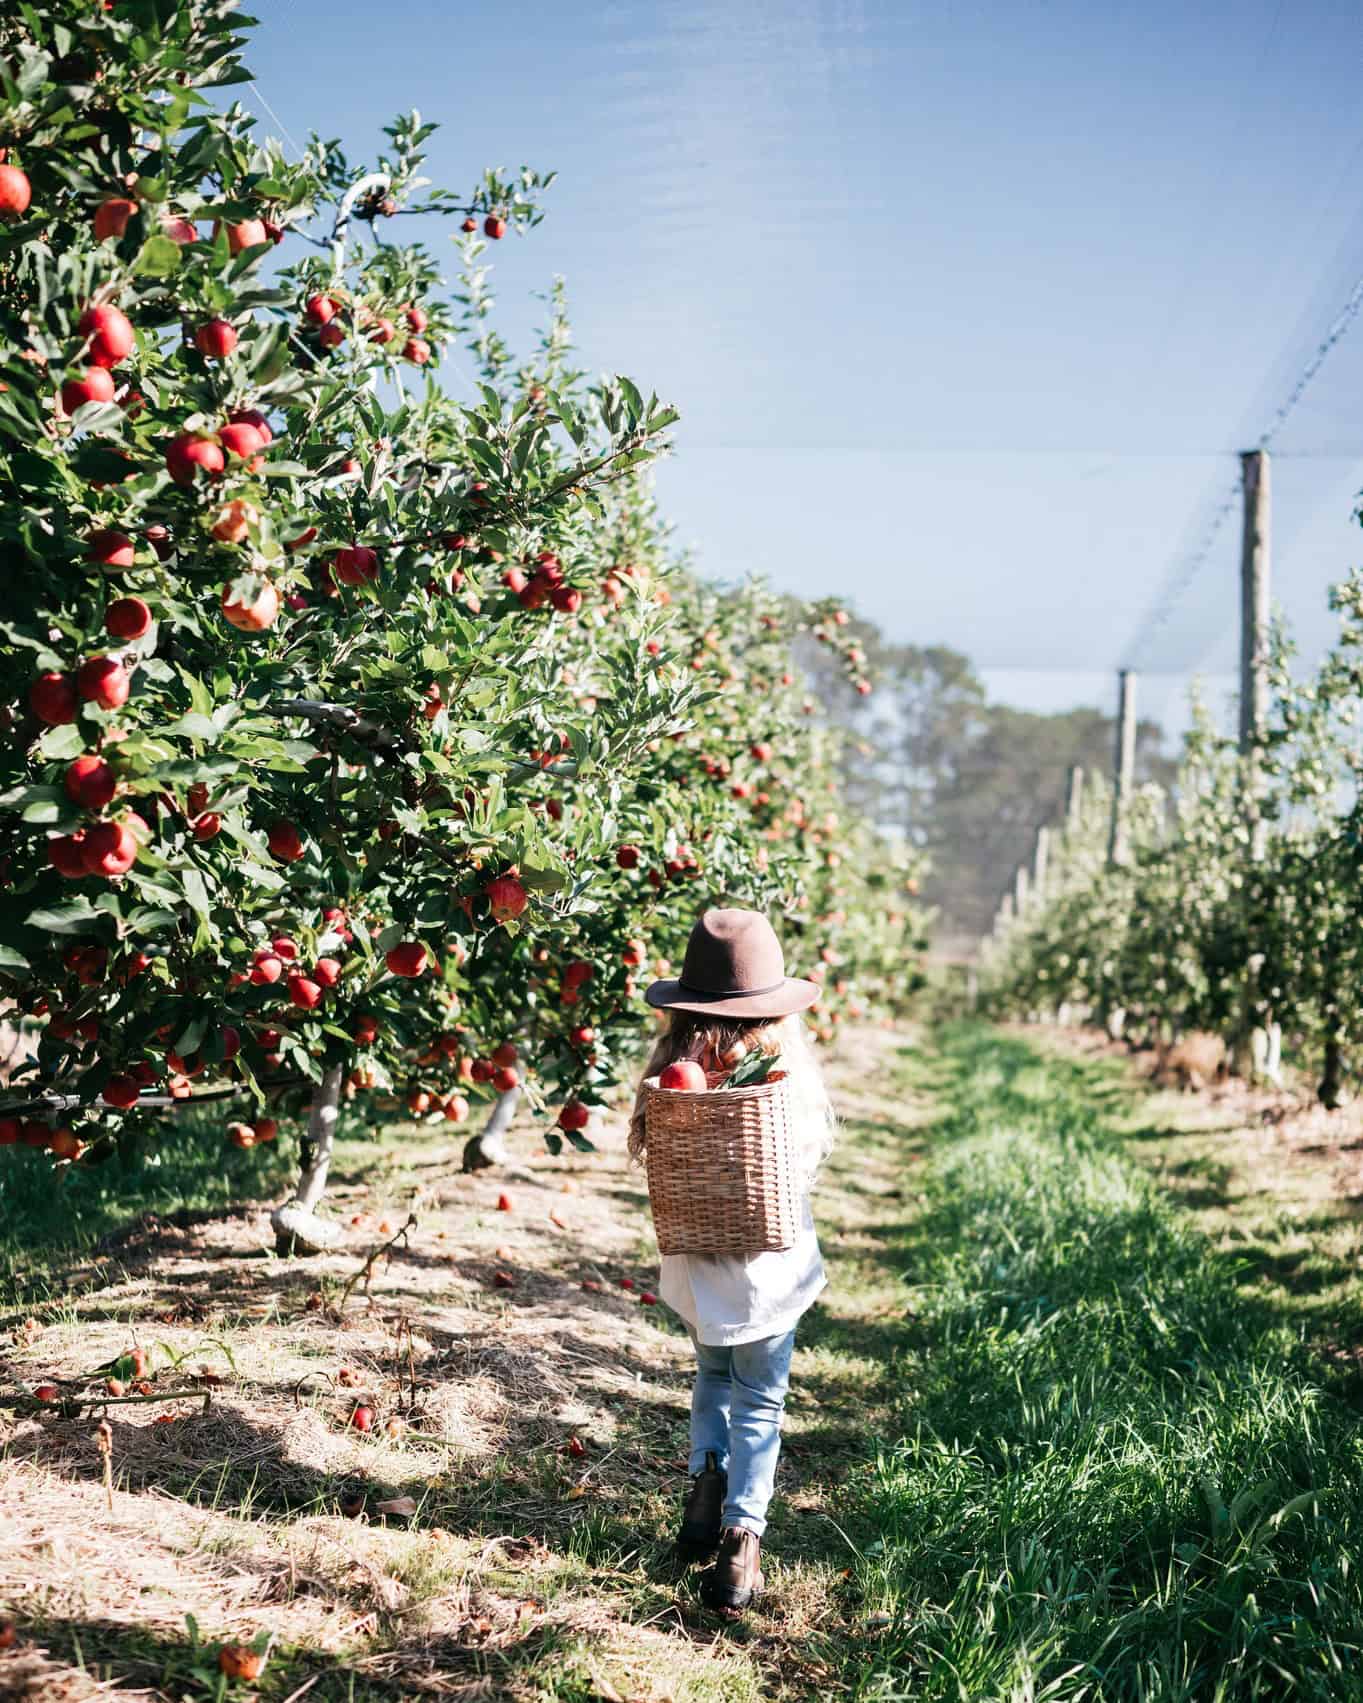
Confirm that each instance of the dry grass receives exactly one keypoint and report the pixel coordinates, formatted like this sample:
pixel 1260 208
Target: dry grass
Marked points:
pixel 527 1571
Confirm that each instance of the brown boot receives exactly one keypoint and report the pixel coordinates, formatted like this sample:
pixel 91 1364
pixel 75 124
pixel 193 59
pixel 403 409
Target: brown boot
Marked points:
pixel 736 1577
pixel 699 1534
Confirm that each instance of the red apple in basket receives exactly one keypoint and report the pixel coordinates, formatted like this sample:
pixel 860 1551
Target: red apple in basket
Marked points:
pixel 684 1074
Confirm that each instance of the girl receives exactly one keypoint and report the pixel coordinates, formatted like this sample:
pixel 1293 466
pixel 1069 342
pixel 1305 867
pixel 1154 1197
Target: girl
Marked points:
pixel 733 996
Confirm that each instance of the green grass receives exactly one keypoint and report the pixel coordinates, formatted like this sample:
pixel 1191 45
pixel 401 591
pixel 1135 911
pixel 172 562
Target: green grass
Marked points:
pixel 1119 1476
pixel 49 1212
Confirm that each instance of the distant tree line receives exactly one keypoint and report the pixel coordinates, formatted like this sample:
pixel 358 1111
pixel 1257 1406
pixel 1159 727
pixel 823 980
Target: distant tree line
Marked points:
pixel 967 780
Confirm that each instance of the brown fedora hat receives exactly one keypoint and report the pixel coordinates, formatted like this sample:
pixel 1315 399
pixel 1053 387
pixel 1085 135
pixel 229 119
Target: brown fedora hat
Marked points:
pixel 733 968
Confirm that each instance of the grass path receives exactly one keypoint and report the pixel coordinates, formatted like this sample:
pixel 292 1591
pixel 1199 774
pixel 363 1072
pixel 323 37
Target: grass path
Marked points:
pixel 1045 1441
pixel 1120 1476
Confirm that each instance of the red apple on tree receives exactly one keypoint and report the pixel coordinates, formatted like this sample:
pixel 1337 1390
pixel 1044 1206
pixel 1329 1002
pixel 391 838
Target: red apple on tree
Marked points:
pixel 242 439
pixel 127 618
pixel 95 384
pixel 15 192
pixel 357 565
pixel 104 681
pixel 53 698
pixel 216 339
pixel 111 549
pixel 120 1091
pixel 407 959
pixel 90 782
pixel 247 233
pixel 109 335
pixel 109 849
pixel 66 854
pixel 191 453
pixel 255 614
pixel 267 968
pixel 507 898
pixel 253 417
pixel 112 216
pixel 285 842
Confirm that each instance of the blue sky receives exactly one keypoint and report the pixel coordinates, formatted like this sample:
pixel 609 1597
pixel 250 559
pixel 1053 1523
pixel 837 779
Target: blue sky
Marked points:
pixel 967 306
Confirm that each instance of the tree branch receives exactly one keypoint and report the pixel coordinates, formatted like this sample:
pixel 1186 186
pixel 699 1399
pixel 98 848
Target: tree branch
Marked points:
pixel 344 720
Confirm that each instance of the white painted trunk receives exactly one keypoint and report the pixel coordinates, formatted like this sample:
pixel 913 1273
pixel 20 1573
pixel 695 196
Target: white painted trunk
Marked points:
pixel 488 1148
pixel 296 1225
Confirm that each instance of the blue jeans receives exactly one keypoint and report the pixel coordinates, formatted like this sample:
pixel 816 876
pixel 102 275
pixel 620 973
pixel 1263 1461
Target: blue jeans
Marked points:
pixel 736 1410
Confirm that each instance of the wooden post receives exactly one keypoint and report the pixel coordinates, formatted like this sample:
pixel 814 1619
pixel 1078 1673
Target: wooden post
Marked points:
pixel 1074 798
pixel 1254 595
pixel 1041 861
pixel 1254 616
pixel 1256 1048
pixel 1124 767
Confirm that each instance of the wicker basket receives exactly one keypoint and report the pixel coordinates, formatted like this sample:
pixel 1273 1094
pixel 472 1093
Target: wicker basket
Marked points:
pixel 722 1172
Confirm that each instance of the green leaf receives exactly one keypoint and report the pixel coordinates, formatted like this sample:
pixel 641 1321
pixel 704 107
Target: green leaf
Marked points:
pixel 749 1071
pixel 633 400
pixel 542 880
pixel 147 919
pixel 76 916
pixel 554 1142
pixel 59 742
pixel 194 726
pixel 158 257
pixel 152 889
pixel 187 1041
pixel 580 1141
pixel 196 893
pixel 12 960
pixel 267 878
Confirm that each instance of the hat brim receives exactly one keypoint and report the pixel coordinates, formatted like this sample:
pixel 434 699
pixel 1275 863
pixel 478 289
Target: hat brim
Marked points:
pixel 794 994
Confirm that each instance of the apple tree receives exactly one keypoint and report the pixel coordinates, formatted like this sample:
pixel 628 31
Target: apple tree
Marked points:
pixel 361 740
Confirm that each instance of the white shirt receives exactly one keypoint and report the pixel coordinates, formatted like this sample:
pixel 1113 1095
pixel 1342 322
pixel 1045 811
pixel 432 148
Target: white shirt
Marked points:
pixel 729 1298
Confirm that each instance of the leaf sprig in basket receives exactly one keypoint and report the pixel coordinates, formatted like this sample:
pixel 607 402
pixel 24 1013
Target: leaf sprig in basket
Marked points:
pixel 751 1069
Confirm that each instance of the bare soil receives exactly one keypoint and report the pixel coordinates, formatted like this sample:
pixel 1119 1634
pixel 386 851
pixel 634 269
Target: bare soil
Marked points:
pixel 527 1400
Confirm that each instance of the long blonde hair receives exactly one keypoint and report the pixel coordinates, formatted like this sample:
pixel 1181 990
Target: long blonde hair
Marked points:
pixel 715 1042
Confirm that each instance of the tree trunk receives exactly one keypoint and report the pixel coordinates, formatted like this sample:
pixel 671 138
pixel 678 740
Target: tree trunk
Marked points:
pixel 297 1228
pixel 487 1148
pixel 1331 1090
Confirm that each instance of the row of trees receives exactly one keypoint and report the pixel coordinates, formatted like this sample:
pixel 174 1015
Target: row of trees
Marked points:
pixel 360 740
pixel 1239 908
